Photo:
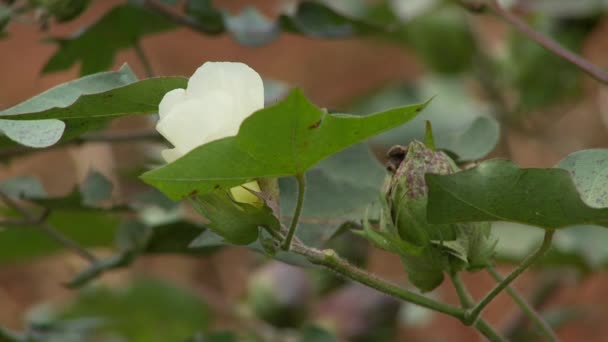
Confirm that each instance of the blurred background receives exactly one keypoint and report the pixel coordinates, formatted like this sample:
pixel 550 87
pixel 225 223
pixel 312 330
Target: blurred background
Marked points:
pixel 498 94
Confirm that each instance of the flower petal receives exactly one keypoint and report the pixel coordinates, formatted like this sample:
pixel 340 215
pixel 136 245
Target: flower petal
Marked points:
pixel 170 99
pixel 242 194
pixel 243 84
pixel 195 122
pixel 170 154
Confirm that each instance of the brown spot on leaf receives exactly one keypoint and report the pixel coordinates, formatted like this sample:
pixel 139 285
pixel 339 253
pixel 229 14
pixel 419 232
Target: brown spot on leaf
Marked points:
pixel 315 125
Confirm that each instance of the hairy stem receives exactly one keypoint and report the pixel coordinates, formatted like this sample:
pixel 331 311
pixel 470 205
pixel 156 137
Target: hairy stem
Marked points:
pixel 526 308
pixel 467 301
pixel 474 313
pixel 488 332
pixel 329 259
pixel 301 180
pixel 548 43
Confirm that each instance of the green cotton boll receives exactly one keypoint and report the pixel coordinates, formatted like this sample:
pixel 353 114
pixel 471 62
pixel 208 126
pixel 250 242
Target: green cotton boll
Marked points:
pixel 406 193
pixel 437 247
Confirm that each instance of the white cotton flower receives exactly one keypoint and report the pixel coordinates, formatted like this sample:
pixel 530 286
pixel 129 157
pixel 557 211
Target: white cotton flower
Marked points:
pixel 219 96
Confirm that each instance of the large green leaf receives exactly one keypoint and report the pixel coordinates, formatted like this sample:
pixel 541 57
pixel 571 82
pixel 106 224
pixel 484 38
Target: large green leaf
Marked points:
pixel 498 190
pixel 47 131
pixel 95 47
pixel 141 97
pixel 589 170
pixel 462 125
pixel 281 140
pixel 88 103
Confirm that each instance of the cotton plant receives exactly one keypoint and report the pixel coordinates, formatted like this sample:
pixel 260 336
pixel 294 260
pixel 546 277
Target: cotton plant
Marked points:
pixel 229 151
pixel 228 148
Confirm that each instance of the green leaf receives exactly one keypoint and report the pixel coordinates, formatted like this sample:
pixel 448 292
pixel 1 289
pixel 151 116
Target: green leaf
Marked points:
pixel 47 131
pixel 70 215
pixel 317 20
pixel 96 188
pixel 34 133
pixel 88 228
pixel 95 47
pixel 146 311
pixel 23 187
pixel 207 16
pixel 176 237
pixel 498 190
pixel 589 170
pixel 302 135
pixel 141 97
pixel 91 101
pixel 250 28
pixel 461 124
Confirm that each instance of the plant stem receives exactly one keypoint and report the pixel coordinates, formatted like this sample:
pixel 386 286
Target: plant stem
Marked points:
pixel 486 330
pixel 145 63
pixel 301 179
pixel 528 310
pixel 467 301
pixel 549 43
pixel 476 311
pixel 328 258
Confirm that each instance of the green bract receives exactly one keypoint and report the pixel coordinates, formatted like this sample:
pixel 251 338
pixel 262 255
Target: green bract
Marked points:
pixel 285 139
pixel 427 250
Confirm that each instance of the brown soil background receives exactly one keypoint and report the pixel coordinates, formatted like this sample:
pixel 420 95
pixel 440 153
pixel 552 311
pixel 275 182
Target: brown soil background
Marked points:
pixel 330 73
